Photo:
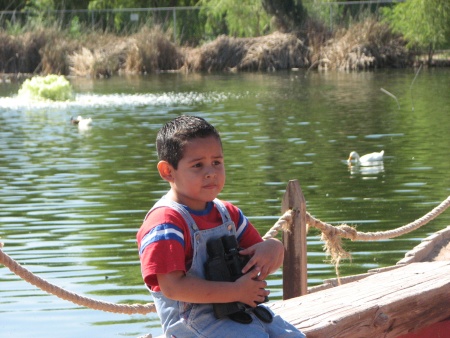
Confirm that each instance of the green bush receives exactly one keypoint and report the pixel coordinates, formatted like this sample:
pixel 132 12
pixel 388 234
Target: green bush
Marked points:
pixel 50 87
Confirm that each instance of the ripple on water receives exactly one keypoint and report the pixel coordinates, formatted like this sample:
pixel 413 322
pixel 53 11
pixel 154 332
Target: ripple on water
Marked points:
pixel 118 100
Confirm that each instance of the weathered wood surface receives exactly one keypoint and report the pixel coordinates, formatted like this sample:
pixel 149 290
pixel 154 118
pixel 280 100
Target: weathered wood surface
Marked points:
pixel 295 258
pixel 434 247
pixel 385 304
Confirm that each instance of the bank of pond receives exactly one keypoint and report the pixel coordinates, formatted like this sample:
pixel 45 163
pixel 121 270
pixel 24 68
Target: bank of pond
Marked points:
pixel 366 45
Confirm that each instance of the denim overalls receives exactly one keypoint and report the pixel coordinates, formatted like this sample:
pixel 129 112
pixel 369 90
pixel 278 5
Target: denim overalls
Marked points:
pixel 185 320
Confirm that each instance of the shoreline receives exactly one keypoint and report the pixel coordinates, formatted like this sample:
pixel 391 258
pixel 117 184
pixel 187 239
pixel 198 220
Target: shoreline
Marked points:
pixel 17 77
pixel 368 45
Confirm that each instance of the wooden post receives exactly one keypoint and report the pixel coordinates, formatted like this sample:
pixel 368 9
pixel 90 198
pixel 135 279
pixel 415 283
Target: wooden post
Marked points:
pixel 295 274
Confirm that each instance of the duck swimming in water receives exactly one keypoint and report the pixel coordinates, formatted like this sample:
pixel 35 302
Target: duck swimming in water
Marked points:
pixel 81 122
pixel 365 159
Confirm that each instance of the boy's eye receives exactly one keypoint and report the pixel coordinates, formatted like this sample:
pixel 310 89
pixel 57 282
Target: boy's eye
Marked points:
pixel 197 165
pixel 217 163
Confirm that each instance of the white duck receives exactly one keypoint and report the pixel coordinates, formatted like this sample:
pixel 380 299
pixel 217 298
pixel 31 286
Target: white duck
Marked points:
pixel 366 159
pixel 82 123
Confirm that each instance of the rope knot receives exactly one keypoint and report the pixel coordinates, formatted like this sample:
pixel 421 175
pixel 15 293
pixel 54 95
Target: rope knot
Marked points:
pixel 286 220
pixel 349 231
pixel 284 223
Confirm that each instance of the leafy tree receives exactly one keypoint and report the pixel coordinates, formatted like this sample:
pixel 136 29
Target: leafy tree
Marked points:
pixel 38 10
pixel 343 14
pixel 121 20
pixel 11 5
pixel 423 23
pixel 289 14
pixel 245 19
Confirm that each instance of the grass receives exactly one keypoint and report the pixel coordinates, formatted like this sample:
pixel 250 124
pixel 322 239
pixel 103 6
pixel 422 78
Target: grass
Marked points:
pixel 45 51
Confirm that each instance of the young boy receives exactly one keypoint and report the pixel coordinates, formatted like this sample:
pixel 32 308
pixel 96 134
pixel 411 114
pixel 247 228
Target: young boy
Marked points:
pixel 173 241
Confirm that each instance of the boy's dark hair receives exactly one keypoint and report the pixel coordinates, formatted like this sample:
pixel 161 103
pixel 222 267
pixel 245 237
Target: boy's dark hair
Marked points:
pixel 173 136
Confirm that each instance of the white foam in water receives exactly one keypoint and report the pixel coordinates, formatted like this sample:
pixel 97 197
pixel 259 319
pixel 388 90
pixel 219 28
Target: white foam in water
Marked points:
pixel 122 100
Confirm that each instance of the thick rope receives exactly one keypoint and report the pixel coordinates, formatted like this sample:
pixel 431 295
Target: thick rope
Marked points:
pixel 332 235
pixel 28 276
pixel 284 223
pixel 346 231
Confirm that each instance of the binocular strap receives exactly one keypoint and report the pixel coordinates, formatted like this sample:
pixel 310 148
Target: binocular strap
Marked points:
pixel 244 317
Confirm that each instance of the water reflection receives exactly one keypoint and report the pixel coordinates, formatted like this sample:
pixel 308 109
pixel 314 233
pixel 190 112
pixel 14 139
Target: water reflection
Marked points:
pixel 370 170
pixel 71 202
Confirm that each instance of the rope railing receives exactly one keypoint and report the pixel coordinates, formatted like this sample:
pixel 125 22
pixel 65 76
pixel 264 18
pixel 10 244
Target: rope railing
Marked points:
pixel 330 234
pixel 59 292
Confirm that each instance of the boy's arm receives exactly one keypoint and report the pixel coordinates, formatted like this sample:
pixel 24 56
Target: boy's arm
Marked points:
pixel 247 289
pixel 266 256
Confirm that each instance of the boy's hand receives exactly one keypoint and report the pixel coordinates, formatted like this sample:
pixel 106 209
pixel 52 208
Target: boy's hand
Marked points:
pixel 266 257
pixel 252 290
pixel 191 289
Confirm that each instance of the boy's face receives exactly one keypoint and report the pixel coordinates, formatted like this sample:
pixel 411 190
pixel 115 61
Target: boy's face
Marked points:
pixel 200 176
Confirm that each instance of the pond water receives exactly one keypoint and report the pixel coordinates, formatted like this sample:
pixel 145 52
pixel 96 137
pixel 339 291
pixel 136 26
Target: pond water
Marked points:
pixel 71 201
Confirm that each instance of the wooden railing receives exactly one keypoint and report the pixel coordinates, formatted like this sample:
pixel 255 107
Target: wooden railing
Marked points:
pixel 295 274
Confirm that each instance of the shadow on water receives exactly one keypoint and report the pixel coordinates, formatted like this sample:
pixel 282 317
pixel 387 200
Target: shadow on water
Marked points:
pixel 72 201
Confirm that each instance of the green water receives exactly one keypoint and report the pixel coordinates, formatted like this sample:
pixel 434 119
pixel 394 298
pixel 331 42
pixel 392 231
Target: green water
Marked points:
pixel 72 200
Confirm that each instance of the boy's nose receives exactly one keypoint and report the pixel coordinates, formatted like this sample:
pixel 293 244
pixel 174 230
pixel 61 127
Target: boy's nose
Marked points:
pixel 210 172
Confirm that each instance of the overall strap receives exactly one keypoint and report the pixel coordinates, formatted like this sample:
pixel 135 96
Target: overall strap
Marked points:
pixel 226 218
pixel 223 210
pixel 165 202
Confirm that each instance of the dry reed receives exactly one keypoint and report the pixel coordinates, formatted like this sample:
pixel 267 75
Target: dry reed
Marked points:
pixel 272 52
pixel 49 51
pixel 365 45
pixel 11 48
pixel 102 62
pixel 152 51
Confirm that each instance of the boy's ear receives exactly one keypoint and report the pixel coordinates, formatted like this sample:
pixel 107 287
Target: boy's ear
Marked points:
pixel 165 170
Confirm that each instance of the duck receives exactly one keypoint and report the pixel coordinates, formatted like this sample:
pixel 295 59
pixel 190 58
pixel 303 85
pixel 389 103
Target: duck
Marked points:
pixel 82 123
pixel 368 158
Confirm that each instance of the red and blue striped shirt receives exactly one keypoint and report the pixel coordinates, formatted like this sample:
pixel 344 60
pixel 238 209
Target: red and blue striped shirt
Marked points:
pixel 164 239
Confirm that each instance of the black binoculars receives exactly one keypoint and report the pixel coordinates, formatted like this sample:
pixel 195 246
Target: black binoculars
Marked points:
pixel 226 264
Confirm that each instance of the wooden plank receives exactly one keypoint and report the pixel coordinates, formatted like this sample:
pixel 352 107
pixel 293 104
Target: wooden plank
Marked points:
pixel 428 248
pixel 386 304
pixel 295 274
